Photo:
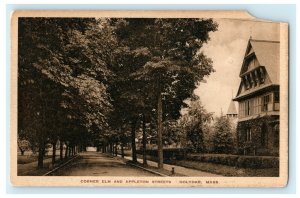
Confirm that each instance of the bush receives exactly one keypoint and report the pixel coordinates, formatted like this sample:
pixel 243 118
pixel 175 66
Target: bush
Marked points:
pixel 238 161
pixel 169 153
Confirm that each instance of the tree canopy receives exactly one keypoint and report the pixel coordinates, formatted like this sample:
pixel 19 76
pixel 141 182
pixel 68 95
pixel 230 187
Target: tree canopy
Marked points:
pixel 88 80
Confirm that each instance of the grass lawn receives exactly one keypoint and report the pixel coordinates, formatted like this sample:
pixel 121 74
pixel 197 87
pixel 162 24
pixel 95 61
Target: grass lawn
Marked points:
pixel 25 159
pixel 26 167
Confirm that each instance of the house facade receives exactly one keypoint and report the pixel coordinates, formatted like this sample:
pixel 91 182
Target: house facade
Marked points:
pixel 258 98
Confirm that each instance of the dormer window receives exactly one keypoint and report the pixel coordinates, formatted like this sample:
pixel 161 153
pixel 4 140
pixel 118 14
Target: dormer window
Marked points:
pixel 252 79
pixel 262 75
pixel 246 82
pixel 249 80
pixel 256 77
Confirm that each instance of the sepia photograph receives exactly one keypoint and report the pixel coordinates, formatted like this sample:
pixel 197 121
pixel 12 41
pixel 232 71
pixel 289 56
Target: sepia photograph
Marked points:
pixel 150 99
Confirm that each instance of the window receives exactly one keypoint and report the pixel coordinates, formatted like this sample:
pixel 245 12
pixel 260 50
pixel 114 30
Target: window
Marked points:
pixel 265 102
pixel 249 81
pixel 256 106
pixel 276 96
pixel 262 75
pixel 248 107
pixel 246 82
pixel 276 101
pixel 248 134
pixel 242 109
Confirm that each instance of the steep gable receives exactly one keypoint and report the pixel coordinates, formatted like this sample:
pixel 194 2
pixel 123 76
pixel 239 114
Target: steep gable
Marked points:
pixel 260 66
pixel 250 61
pixel 267 53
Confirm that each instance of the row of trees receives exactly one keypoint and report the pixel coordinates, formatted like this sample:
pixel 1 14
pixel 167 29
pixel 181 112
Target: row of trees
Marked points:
pixel 86 81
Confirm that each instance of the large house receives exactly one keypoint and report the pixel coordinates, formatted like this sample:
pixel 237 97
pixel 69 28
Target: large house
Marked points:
pixel 258 98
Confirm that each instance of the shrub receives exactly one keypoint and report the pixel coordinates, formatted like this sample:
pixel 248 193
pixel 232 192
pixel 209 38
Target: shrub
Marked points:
pixel 238 160
pixel 169 153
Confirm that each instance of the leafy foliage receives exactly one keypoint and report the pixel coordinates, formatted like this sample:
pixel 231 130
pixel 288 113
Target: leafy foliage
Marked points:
pixel 223 136
pixel 195 124
pixel 62 79
pixel 87 81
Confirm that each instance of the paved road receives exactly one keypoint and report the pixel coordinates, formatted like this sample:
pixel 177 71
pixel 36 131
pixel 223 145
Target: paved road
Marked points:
pixel 98 164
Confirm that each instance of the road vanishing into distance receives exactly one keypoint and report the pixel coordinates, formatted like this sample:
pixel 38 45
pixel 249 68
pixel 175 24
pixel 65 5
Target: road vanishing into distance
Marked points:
pixel 98 164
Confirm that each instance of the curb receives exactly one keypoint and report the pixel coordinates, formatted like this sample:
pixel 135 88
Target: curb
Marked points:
pixel 55 169
pixel 148 170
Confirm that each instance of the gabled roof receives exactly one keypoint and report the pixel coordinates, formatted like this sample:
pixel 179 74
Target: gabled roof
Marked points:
pixel 267 54
pixel 231 109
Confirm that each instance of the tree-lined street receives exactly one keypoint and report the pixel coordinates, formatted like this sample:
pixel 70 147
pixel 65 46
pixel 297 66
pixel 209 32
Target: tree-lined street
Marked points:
pixel 98 164
pixel 105 82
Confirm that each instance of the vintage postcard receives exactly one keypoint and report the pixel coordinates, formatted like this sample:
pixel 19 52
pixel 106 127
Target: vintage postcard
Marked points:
pixel 148 99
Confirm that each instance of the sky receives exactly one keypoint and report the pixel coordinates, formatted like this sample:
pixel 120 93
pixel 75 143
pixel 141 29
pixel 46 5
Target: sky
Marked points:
pixel 226 48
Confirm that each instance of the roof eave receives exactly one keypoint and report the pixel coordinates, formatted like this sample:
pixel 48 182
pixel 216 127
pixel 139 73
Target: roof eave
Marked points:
pixel 241 97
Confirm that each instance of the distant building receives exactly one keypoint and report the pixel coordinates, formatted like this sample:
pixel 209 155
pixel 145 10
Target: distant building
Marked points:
pixel 258 98
pixel 231 112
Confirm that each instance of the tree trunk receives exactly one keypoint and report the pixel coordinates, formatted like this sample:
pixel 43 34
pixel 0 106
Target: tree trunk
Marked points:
pixel 111 148
pixel 53 152
pixel 103 148
pixel 66 151
pixel 122 150
pixel 69 151
pixel 122 142
pixel 144 141
pixel 61 149
pixel 116 149
pixel 133 146
pixel 184 144
pixel 41 155
pixel 159 132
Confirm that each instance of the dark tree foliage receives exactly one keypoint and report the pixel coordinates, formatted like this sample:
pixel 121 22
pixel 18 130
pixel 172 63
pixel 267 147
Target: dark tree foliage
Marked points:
pixel 163 56
pixel 194 125
pixel 223 138
pixel 61 80
pixel 87 81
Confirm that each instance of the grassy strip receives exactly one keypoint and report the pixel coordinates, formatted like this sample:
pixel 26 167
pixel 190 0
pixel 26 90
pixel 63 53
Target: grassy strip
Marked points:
pixel 25 159
pixel 47 167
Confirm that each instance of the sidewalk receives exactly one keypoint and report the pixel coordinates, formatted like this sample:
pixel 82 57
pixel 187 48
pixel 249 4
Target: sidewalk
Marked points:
pixel 178 169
